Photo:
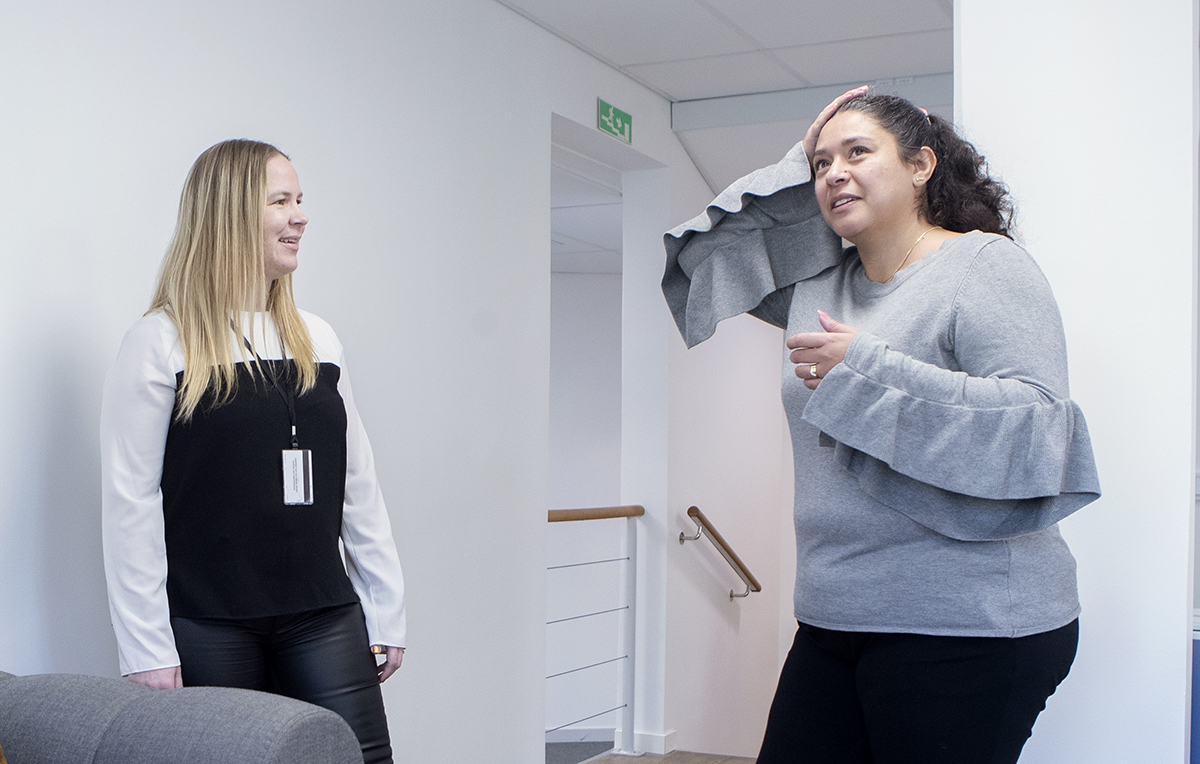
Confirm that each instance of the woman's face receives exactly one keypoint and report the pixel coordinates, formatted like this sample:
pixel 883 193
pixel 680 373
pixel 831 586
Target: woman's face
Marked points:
pixel 862 184
pixel 283 222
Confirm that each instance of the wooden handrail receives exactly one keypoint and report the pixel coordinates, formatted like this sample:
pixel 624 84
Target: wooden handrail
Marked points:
pixel 595 513
pixel 723 547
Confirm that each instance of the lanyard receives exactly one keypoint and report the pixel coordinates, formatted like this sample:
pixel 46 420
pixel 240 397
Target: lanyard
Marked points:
pixel 289 397
pixel 296 462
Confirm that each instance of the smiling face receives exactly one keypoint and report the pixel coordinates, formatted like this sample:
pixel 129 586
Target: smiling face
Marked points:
pixel 863 186
pixel 283 221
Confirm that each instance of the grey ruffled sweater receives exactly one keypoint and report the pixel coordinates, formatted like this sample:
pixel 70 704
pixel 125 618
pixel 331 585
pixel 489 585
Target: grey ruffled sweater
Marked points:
pixel 934 462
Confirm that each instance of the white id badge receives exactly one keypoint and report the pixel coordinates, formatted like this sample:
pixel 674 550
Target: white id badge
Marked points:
pixel 297 476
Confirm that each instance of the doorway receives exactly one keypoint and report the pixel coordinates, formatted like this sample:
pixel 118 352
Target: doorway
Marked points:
pixel 583 662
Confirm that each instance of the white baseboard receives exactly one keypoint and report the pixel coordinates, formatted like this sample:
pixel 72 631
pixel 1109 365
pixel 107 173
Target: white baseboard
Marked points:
pixel 646 742
pixel 1196 623
pixel 581 735
pixel 651 742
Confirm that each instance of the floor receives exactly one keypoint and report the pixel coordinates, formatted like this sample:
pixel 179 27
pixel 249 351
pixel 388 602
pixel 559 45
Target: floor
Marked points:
pixel 674 757
pixel 574 753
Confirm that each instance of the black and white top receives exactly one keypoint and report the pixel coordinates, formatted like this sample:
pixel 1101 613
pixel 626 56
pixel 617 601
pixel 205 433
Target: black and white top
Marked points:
pixel 205 498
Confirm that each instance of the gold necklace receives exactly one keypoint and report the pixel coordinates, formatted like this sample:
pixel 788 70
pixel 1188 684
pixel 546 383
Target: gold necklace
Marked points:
pixel 909 252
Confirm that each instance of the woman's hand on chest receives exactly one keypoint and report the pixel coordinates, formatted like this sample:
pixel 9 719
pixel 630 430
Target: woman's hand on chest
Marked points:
pixel 817 353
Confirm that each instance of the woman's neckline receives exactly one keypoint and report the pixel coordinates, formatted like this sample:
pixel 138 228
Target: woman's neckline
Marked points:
pixel 933 255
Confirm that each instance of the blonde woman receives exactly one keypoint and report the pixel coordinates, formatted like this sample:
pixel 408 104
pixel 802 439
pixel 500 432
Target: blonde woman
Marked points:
pixel 234 461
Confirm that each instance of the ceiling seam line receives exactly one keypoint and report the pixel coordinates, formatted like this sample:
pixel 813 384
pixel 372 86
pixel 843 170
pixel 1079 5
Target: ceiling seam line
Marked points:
pixel 847 85
pixel 572 41
pixel 772 49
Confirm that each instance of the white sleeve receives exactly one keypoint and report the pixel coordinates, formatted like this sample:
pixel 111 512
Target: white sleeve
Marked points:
pixel 371 559
pixel 139 393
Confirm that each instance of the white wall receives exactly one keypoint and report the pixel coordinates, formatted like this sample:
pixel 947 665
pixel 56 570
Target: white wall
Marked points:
pixel 585 471
pixel 585 390
pixel 727 433
pixel 421 133
pixel 1088 111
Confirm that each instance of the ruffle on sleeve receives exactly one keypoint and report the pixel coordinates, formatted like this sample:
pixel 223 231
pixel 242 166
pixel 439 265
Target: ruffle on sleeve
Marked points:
pixel 966 517
pixel 998 459
pixel 762 234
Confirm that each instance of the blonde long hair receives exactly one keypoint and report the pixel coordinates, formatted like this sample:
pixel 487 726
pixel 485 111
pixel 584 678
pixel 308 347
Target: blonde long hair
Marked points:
pixel 213 270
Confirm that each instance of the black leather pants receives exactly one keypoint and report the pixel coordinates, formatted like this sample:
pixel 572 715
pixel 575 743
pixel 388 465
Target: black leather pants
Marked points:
pixel 321 656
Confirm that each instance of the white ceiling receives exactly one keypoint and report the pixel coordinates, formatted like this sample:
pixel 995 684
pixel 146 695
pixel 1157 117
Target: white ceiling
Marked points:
pixel 585 224
pixel 694 50
pixel 690 49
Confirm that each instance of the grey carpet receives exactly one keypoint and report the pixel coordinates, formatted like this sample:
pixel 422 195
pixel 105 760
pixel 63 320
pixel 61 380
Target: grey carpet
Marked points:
pixel 573 753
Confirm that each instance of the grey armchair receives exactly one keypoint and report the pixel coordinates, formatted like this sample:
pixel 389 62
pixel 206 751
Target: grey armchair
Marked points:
pixel 77 719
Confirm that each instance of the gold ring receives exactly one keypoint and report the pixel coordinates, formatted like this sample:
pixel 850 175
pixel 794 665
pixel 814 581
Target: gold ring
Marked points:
pixel 812 371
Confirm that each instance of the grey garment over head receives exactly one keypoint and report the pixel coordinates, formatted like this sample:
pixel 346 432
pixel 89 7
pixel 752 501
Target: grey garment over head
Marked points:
pixel 933 463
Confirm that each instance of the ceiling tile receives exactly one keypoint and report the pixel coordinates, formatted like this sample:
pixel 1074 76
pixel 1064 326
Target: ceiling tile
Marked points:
pixel 599 225
pixel 725 154
pixel 568 189
pixel 560 244
pixel 717 76
pixel 872 59
pixel 636 31
pixel 781 23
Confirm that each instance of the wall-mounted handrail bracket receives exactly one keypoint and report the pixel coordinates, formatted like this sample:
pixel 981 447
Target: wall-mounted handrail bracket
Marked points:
pixel 705 528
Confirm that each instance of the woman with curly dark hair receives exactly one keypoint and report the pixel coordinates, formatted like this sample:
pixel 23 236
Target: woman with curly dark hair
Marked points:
pixel 936 447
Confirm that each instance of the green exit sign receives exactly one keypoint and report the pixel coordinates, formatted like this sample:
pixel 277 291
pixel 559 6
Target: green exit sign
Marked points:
pixel 613 121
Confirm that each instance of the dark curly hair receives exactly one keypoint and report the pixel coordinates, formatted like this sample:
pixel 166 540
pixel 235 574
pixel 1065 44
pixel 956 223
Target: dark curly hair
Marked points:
pixel 960 195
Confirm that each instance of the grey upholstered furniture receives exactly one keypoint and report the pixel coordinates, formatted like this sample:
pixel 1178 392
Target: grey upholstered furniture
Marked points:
pixel 76 719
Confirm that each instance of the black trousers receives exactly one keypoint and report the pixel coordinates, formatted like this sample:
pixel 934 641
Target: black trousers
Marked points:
pixel 868 698
pixel 322 657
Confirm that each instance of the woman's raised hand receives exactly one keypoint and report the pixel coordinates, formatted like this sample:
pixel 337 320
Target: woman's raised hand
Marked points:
pixel 810 138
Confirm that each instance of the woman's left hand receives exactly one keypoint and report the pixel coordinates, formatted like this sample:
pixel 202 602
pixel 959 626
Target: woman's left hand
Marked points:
pixel 814 130
pixel 395 656
pixel 816 353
